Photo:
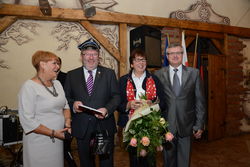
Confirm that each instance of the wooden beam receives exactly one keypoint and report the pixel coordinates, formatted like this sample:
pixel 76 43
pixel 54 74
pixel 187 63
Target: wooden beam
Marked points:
pixel 6 21
pixel 205 34
pixel 189 40
pixel 33 12
pixel 123 48
pixel 45 7
pixel 105 43
pixel 218 45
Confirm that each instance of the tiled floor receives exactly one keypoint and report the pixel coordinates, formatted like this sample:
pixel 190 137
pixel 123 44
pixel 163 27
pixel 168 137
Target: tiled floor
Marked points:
pixel 227 152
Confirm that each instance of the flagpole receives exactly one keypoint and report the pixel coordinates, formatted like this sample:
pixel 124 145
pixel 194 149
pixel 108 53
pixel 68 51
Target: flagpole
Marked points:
pixel 168 39
pixel 195 51
pixel 183 44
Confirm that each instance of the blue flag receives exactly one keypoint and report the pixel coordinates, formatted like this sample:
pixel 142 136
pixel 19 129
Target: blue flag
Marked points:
pixel 165 59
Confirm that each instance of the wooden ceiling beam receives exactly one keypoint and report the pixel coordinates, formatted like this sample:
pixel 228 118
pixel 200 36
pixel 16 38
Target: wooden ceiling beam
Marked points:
pixel 33 12
pixel 6 21
pixel 123 48
pixel 204 34
pixel 98 36
pixel 218 45
pixel 189 40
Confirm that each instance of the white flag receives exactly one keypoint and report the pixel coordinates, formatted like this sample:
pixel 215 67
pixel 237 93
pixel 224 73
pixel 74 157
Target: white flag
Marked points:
pixel 185 59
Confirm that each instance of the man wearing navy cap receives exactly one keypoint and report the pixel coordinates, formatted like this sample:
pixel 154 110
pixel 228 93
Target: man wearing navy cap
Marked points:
pixel 97 87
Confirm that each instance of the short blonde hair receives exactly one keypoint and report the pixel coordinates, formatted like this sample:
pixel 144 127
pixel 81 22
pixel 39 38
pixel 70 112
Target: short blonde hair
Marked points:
pixel 44 56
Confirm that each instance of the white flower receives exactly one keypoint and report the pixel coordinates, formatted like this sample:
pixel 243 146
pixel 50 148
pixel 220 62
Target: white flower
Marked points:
pixel 162 121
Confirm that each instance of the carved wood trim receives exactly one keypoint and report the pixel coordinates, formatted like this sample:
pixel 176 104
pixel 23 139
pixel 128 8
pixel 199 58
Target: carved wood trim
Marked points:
pixel 201 11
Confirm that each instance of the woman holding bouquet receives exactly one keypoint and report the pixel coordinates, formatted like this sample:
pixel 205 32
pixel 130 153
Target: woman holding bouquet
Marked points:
pixel 136 88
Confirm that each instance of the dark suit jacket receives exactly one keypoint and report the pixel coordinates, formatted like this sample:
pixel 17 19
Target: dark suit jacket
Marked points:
pixel 61 77
pixel 105 94
pixel 123 114
pixel 186 112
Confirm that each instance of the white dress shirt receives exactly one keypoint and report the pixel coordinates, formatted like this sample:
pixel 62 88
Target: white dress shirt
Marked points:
pixel 138 84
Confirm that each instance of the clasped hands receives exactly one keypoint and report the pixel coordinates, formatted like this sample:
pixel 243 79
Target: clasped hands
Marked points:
pixel 135 104
pixel 103 110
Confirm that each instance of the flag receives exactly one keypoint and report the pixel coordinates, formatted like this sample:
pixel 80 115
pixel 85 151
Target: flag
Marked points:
pixel 184 59
pixel 199 60
pixel 165 59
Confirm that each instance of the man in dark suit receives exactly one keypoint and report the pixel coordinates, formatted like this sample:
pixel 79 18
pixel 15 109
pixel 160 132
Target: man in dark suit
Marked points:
pixel 61 76
pixel 185 106
pixel 97 87
pixel 66 143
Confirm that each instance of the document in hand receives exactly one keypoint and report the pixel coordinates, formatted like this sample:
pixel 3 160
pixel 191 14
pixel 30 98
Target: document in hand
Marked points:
pixel 89 109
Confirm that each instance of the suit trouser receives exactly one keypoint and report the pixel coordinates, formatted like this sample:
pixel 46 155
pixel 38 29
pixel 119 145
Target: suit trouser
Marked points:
pixel 177 152
pixel 87 159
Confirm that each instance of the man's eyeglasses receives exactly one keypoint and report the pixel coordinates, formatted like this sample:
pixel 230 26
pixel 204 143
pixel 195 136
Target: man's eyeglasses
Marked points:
pixel 175 53
pixel 140 60
pixel 88 54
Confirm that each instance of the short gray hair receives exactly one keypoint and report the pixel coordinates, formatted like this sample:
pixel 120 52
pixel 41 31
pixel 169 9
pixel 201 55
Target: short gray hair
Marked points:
pixel 174 45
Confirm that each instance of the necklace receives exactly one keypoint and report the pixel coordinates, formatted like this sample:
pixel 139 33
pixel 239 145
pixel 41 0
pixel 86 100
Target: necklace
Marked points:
pixel 54 93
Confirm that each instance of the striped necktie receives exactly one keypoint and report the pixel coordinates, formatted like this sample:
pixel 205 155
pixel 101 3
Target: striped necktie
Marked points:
pixel 90 82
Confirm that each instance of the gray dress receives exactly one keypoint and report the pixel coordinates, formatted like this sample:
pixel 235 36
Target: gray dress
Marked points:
pixel 37 106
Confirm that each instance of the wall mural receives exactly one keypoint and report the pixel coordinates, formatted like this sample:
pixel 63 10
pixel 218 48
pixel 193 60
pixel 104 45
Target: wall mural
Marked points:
pixel 66 33
pixel 3 65
pixel 18 33
pixel 101 4
pixel 26 31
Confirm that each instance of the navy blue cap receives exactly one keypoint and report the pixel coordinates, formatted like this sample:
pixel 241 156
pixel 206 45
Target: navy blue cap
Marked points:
pixel 89 44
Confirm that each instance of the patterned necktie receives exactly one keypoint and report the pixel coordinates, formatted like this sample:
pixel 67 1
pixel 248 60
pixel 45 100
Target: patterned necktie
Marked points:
pixel 176 83
pixel 90 82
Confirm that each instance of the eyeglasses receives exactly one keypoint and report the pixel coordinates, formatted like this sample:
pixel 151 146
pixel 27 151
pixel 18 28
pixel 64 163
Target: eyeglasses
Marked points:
pixel 140 60
pixel 88 54
pixel 175 53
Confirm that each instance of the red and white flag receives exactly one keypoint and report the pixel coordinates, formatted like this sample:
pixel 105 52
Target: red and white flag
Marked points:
pixel 185 58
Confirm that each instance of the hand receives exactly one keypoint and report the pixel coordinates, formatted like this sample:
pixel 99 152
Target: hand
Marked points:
pixel 69 130
pixel 60 133
pixel 76 106
pixel 134 104
pixel 198 133
pixel 149 102
pixel 104 112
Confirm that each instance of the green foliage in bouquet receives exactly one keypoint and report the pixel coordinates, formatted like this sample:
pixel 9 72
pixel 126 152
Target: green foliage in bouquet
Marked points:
pixel 146 133
pixel 143 96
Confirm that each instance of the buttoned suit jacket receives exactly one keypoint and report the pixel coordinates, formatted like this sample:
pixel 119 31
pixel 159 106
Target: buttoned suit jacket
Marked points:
pixel 105 94
pixel 185 112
